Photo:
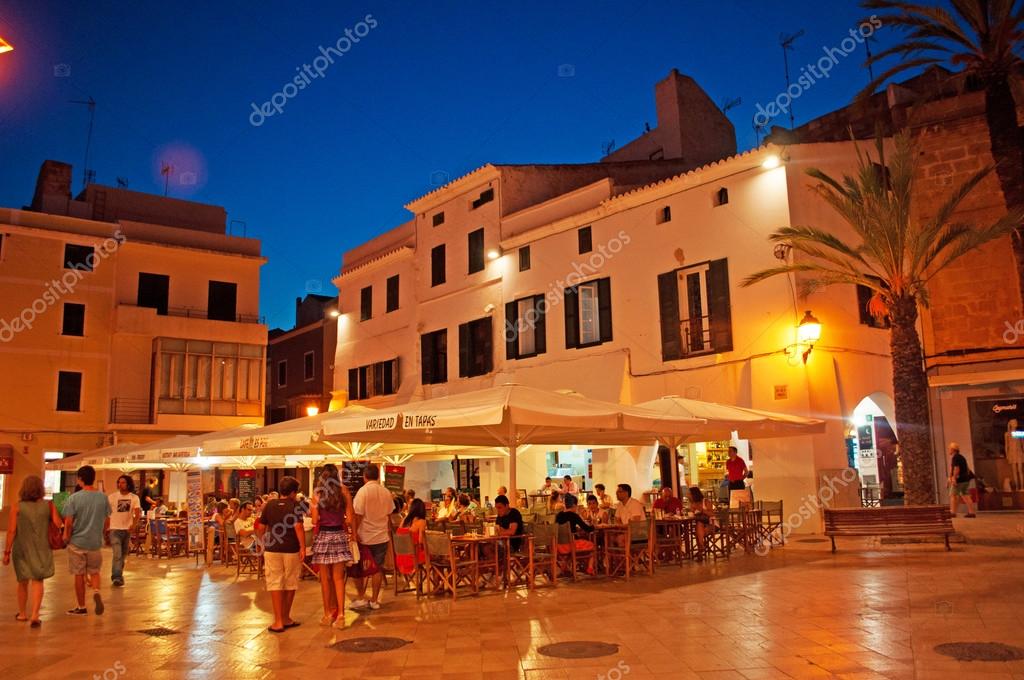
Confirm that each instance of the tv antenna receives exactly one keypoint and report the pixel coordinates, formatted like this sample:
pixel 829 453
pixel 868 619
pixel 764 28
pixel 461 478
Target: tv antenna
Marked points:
pixel 731 103
pixel 758 129
pixel 166 169
pixel 122 182
pixel 608 147
pixel 786 43
pixel 871 67
pixel 91 103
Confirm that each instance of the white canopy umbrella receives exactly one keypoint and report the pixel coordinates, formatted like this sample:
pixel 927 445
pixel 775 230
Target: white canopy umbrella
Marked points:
pixel 117 456
pixel 510 416
pixel 722 420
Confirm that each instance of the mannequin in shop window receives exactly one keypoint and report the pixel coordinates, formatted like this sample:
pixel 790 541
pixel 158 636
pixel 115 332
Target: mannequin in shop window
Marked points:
pixel 1015 455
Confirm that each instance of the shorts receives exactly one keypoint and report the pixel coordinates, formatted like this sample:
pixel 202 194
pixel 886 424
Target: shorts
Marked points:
pixel 738 485
pixel 962 488
pixel 84 562
pixel 281 570
pixel 379 553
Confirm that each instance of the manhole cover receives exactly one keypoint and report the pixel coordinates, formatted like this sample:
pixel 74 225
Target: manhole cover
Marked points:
pixel 365 645
pixel 812 540
pixel 160 631
pixel 980 651
pixel 581 649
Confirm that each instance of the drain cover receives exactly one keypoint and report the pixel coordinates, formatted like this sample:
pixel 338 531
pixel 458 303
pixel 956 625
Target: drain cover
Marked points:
pixel 365 645
pixel 160 631
pixel 980 651
pixel 812 540
pixel 580 649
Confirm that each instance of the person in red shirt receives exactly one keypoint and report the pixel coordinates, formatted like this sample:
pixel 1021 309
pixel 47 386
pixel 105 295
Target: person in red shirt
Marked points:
pixel 736 469
pixel 668 503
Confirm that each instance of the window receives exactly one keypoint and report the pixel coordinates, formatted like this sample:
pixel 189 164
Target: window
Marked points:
pixel 476 251
pixel 79 257
pixel 585 239
pixel 152 292
pixel 373 380
pixel 486 196
pixel 524 258
pixel 475 348
pixel 1 247
pixel 525 327
pixel 438 219
pixel 695 311
pixel 74 319
pixel 864 295
pixel 721 197
pixel 588 314
pixel 69 391
pixel 434 357
pixel 366 303
pixel 201 377
pixel 664 215
pixel 221 301
pixel 437 267
pixel 391 303
pixel 282 373
pixel 309 365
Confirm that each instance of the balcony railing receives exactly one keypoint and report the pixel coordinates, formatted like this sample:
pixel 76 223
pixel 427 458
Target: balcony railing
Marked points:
pixel 696 335
pixel 197 313
pixel 129 411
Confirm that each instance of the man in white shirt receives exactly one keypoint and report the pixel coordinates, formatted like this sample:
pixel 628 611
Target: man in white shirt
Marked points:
pixel 245 527
pixel 125 509
pixel 373 505
pixel 628 508
pixel 569 486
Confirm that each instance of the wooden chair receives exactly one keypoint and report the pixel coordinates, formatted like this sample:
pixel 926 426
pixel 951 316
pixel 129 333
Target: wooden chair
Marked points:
pixel 771 522
pixel 446 571
pixel 403 546
pixel 543 553
pixel 631 550
pixel 570 555
pixel 228 540
pixel 248 560
pixel 669 544
pixel 137 538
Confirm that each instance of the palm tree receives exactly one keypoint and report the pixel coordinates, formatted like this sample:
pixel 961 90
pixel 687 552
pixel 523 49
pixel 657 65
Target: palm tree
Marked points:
pixel 984 39
pixel 895 255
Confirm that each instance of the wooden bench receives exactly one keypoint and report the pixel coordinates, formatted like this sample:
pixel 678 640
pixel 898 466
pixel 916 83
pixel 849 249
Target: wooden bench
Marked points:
pixel 921 520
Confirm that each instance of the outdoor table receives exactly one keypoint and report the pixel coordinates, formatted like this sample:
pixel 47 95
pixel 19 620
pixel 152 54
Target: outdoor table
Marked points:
pixel 491 564
pixel 676 531
pixel 536 497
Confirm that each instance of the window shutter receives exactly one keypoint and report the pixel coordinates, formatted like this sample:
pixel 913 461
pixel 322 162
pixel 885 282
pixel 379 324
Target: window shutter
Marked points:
pixel 541 325
pixel 604 308
pixel 719 310
pixel 487 346
pixel 353 383
pixel 668 306
pixel 572 318
pixel 427 359
pixel 389 377
pixel 464 335
pixel 511 330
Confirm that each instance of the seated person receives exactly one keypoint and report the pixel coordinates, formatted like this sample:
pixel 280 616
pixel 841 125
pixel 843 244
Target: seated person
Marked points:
pixel 447 509
pixel 467 510
pixel 509 522
pixel 603 499
pixel 161 508
pixel 668 503
pixel 414 524
pixel 576 524
pixel 702 509
pixel 594 513
pixel 629 508
pixel 547 488
pixel 569 486
pixel 555 504
pixel 245 530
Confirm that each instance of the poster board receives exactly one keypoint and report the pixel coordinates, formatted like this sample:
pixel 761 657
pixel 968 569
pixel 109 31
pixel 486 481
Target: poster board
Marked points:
pixel 246 485
pixel 394 478
pixel 194 500
pixel 352 474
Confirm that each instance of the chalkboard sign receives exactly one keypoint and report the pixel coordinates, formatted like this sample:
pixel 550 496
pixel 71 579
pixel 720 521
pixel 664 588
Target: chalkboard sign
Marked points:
pixel 394 478
pixel 246 485
pixel 352 474
pixel 865 437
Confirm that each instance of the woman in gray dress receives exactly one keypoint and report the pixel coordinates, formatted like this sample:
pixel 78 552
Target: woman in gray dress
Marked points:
pixel 28 543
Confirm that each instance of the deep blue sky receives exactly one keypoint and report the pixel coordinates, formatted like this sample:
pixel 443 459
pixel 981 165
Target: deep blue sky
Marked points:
pixel 435 89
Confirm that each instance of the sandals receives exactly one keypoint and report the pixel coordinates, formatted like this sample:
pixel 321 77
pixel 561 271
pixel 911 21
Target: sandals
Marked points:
pixel 271 629
pixel 19 617
pixel 35 623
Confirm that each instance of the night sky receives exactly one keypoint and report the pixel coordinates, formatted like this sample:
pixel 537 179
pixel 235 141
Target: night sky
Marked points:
pixel 424 92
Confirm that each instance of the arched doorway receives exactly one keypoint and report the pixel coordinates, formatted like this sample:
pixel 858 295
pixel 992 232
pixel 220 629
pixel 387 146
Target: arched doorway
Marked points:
pixel 872 445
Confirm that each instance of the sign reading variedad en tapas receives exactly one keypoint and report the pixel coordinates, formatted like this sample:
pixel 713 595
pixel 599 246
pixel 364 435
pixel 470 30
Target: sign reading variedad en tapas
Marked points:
pixel 419 421
pixel 380 423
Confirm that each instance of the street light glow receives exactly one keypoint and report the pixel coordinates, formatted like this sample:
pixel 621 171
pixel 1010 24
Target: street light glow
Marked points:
pixel 5 46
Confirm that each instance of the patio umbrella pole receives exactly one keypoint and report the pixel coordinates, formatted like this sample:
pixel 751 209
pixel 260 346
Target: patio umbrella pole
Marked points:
pixel 513 489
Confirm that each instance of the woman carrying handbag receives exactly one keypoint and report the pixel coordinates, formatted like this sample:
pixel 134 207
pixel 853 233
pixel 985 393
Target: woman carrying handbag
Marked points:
pixel 30 545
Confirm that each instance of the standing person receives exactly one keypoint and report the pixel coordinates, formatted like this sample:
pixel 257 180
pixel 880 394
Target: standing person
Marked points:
pixel 28 545
pixel 373 507
pixel 736 469
pixel 148 497
pixel 125 509
pixel 284 549
pixel 332 544
pixel 86 521
pixel 959 481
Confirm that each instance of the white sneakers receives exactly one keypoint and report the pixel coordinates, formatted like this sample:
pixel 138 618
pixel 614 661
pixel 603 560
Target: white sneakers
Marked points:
pixel 363 604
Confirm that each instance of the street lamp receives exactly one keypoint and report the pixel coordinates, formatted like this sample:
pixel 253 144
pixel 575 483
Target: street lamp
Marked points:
pixel 808 332
pixel 312 410
pixel 5 46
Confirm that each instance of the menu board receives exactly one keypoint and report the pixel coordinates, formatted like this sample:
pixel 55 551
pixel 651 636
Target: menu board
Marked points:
pixel 352 474
pixel 394 478
pixel 246 485
pixel 194 496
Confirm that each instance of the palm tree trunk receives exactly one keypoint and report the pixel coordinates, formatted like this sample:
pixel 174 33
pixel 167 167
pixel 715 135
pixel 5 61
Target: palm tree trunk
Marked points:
pixel 910 393
pixel 1007 142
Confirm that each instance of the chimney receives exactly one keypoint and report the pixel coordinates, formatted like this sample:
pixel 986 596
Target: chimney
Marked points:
pixel 53 188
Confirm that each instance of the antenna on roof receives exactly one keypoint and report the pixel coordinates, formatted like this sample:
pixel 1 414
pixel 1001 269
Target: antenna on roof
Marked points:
pixel 871 67
pixel 166 169
pixel 731 103
pixel 122 182
pixel 608 147
pixel 786 43
pixel 91 103
pixel 758 129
